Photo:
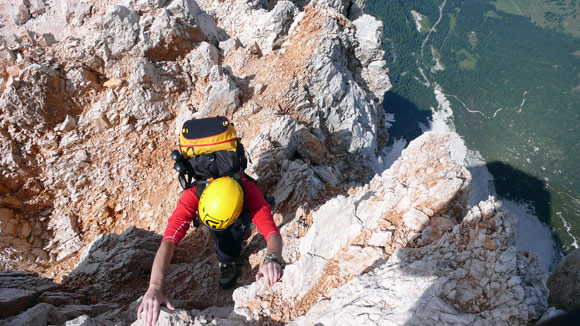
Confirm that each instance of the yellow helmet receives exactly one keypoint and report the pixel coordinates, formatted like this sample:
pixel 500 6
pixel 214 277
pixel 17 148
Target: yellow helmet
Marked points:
pixel 221 203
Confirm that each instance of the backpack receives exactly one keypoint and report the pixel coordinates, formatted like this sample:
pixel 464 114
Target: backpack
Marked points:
pixel 209 148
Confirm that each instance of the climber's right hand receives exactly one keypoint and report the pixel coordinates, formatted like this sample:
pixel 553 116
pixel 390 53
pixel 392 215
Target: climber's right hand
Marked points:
pixel 151 304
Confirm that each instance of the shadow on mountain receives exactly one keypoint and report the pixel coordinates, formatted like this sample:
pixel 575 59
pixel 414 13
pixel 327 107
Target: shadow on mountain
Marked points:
pixel 518 186
pixel 513 184
pixel 114 273
pixel 410 120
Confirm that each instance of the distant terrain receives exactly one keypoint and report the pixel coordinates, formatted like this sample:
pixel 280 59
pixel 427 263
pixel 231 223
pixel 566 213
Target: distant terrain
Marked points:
pixel 560 15
pixel 511 71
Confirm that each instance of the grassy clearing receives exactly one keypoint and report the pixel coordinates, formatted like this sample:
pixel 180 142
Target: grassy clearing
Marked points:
pixel 492 14
pixel 561 16
pixel 452 22
pixel 468 61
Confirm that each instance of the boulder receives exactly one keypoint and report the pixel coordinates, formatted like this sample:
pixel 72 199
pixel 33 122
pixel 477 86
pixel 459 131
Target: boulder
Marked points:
pixel 564 283
pixel 368 31
pixel 20 290
pixel 37 7
pixel 222 93
pixel 19 12
pixel 168 37
pixel 202 59
pixel 120 29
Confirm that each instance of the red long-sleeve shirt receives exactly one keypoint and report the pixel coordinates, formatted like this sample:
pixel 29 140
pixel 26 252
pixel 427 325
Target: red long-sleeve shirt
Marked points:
pixel 186 210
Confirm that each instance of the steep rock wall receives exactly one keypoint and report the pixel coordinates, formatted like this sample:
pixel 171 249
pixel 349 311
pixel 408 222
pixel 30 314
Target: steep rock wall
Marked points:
pixel 90 112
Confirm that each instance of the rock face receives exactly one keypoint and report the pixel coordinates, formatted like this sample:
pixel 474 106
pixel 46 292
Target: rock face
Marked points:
pixel 31 300
pixel 91 110
pixel 564 283
pixel 468 274
pixel 473 275
pixel 77 159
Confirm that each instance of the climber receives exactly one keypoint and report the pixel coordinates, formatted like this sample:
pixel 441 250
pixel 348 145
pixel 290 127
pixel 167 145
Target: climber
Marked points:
pixel 227 210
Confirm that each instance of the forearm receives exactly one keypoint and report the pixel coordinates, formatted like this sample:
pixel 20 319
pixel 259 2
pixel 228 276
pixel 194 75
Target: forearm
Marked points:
pixel 160 264
pixel 274 245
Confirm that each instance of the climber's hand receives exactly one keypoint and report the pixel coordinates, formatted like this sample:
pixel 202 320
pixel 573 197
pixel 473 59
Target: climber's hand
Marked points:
pixel 149 308
pixel 271 271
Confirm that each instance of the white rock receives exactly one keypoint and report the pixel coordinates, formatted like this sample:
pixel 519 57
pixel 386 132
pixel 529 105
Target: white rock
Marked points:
pixel 369 32
pixel 19 12
pixel 120 29
pixel 415 220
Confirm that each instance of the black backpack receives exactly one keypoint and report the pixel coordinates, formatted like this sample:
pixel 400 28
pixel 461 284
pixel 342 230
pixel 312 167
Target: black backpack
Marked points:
pixel 209 148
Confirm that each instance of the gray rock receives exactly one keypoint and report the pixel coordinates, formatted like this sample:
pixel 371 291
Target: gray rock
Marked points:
pixel 230 45
pixel 223 94
pixel 113 260
pixel 369 31
pixel 19 12
pixel 40 314
pixel 83 320
pixel 20 290
pixel 202 59
pixel 413 288
pixel 120 29
pixel 77 15
pixel 167 36
pixel 37 7
pixel 195 16
pixel 564 283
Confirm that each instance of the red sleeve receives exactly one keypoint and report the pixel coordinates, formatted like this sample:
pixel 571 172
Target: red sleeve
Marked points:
pixel 179 222
pixel 259 210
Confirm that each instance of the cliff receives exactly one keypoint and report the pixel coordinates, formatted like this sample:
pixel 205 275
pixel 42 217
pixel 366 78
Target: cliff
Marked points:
pixel 91 110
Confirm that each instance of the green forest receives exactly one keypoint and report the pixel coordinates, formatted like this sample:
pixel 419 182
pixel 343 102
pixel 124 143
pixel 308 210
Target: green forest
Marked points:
pixel 514 85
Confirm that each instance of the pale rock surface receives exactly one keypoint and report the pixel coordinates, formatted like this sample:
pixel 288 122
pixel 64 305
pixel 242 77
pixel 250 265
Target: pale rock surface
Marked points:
pixel 223 94
pixel 120 30
pixel 19 12
pixel 267 28
pixel 202 59
pixel 454 281
pixel 368 29
pixel 330 252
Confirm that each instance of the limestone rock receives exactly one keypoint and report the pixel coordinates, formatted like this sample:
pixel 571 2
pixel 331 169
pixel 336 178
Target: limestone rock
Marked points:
pixel 435 285
pixel 168 37
pixel 120 29
pixel 77 14
pixel 230 45
pixel 202 59
pixel 340 227
pixel 274 26
pixel 564 283
pixel 37 7
pixel 19 12
pixel 368 30
pixel 195 16
pixel 65 235
pixel 309 147
pixel 223 94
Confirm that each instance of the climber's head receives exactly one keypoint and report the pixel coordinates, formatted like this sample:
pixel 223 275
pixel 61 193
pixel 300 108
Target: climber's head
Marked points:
pixel 221 203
